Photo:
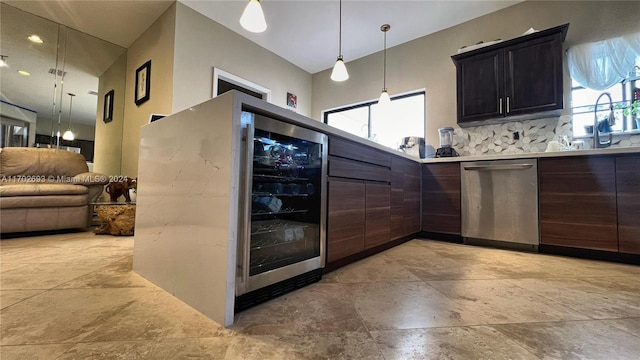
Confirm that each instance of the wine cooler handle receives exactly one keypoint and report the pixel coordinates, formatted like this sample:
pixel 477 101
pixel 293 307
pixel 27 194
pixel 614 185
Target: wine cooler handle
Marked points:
pixel 246 236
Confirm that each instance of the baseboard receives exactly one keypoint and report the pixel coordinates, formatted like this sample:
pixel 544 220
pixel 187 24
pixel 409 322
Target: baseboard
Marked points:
pixel 361 255
pixel 453 238
pixel 633 259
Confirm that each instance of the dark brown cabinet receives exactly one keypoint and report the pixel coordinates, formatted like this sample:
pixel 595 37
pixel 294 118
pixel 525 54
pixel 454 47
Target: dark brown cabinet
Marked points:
pixel 377 214
pixel 578 202
pixel 628 198
pixel 516 77
pixel 405 197
pixel 441 198
pixel 346 218
pixel 374 199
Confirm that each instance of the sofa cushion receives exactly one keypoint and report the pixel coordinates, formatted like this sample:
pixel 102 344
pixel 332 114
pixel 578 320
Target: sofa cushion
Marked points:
pixel 13 202
pixel 37 162
pixel 42 189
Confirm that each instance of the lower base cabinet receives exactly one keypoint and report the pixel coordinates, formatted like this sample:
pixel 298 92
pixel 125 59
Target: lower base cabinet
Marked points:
pixel 628 199
pixel 378 214
pixel 346 218
pixel 441 198
pixel 359 217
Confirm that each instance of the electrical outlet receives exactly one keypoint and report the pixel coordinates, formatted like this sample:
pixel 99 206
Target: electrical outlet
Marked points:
pixel 516 136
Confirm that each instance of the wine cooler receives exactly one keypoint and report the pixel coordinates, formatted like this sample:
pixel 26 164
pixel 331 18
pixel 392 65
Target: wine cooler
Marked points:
pixel 281 243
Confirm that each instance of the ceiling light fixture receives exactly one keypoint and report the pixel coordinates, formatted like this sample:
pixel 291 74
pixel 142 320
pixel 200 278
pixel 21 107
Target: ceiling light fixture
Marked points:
pixel 384 96
pixel 3 62
pixel 22 72
pixel 339 72
pixel 252 18
pixel 36 39
pixel 68 135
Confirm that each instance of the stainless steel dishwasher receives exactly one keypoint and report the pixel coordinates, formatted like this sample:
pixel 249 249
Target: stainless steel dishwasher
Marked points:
pixel 500 203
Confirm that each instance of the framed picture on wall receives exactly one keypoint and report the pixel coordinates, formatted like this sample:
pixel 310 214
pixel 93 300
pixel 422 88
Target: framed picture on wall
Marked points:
pixel 107 114
pixel 292 101
pixel 143 83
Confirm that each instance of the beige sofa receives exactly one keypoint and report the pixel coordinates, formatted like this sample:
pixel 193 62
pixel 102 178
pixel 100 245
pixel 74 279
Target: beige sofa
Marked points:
pixel 46 189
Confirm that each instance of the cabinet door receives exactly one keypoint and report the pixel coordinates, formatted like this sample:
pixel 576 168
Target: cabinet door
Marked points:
pixel 411 191
pixel 378 214
pixel 479 86
pixel 533 76
pixel 578 202
pixel 628 186
pixel 397 198
pixel 441 198
pixel 346 218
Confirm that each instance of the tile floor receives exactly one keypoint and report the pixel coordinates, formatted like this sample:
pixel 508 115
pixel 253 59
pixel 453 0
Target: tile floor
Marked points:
pixel 74 296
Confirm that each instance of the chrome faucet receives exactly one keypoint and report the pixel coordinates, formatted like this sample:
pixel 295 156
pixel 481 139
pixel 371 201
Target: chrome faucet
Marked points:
pixel 610 120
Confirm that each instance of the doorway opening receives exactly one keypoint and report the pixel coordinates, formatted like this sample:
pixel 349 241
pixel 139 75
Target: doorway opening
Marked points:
pixel 224 81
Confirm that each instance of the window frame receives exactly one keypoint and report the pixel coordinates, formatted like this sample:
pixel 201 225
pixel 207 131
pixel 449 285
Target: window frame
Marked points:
pixel 368 104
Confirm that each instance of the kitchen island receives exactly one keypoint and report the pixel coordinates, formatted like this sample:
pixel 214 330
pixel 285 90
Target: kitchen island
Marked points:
pixel 188 202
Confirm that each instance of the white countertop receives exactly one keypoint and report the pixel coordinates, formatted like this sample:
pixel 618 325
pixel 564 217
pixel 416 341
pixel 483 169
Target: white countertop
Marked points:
pixel 533 155
pixel 292 117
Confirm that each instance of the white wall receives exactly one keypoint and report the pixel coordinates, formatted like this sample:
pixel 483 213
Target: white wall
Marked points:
pixel 155 44
pixel 202 44
pixel 426 62
pixel 107 155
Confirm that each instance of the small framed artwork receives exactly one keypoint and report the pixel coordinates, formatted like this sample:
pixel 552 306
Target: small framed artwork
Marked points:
pixel 107 114
pixel 143 83
pixel 292 101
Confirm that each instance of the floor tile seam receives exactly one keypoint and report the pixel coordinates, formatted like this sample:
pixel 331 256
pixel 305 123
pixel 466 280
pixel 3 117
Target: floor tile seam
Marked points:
pixel 624 330
pixel 557 302
pixel 496 324
pixel 516 343
pixel 27 298
pixel 352 300
pixel 91 272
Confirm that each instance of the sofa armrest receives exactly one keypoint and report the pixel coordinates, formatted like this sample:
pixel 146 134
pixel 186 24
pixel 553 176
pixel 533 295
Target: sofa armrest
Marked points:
pixel 90 178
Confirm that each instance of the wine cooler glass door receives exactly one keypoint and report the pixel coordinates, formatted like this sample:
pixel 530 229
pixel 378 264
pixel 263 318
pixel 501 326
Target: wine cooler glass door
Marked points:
pixel 286 204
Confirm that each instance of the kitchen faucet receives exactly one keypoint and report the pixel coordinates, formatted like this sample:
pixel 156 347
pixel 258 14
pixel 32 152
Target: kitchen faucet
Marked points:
pixel 610 120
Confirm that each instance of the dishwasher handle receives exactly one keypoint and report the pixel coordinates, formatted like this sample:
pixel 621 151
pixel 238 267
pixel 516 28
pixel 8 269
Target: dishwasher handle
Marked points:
pixel 497 167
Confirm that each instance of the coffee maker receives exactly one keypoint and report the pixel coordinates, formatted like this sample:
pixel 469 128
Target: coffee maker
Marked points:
pixel 446 141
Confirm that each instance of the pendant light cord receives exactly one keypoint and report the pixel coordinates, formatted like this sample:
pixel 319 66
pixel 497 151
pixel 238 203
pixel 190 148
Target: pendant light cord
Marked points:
pixel 384 70
pixel 340 32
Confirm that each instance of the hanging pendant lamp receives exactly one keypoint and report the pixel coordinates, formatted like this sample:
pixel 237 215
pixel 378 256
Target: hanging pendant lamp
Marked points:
pixel 252 18
pixel 384 96
pixel 339 72
pixel 68 135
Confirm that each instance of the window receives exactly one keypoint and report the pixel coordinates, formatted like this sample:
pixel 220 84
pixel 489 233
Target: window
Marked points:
pixel 583 107
pixel 368 120
pixel 611 66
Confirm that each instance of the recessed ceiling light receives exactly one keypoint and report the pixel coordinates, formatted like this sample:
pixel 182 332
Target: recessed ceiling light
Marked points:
pixel 22 72
pixel 36 39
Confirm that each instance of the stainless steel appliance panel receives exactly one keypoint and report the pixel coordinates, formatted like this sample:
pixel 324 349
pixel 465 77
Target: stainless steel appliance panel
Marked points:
pixel 500 200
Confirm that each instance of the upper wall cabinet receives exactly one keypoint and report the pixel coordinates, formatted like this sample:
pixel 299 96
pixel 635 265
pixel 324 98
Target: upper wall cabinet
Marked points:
pixel 511 79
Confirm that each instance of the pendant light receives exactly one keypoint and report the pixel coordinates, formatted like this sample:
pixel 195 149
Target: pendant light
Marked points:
pixel 252 18
pixel 339 72
pixel 384 96
pixel 68 135
pixel 3 62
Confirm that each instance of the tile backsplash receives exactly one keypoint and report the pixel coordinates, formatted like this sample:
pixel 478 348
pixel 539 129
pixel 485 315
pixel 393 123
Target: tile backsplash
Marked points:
pixel 534 135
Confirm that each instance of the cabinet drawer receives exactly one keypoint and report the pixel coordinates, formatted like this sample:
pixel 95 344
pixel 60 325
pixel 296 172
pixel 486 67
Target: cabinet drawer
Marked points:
pixel 353 151
pixel 357 170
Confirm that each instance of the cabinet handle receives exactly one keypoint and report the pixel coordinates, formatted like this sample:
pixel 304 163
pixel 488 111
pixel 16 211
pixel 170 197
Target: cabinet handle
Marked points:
pixel 500 105
pixel 507 104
